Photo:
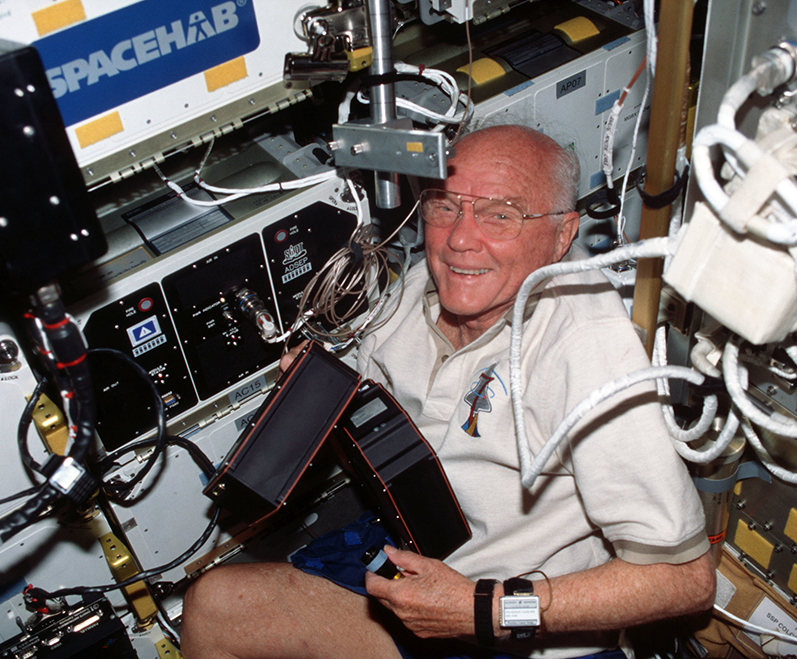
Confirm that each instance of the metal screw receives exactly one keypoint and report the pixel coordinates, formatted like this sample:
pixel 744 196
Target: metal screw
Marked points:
pixel 767 526
pixel 772 390
pixel 8 352
pixel 759 7
pixel 357 149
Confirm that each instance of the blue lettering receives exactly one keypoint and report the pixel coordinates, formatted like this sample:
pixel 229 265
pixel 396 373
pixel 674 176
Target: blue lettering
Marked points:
pixel 146 47
pixel 204 30
pixel 93 56
pixel 224 17
pixel 166 39
pixel 99 65
pixel 118 58
pixel 74 72
pixel 57 83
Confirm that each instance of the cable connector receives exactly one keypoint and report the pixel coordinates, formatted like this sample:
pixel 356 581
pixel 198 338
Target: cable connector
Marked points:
pixel 70 478
pixel 36 600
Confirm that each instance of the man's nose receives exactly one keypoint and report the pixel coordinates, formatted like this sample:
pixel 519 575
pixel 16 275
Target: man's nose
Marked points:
pixel 465 230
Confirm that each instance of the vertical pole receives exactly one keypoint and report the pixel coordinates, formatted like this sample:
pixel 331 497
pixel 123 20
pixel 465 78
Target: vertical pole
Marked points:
pixel 669 91
pixel 383 95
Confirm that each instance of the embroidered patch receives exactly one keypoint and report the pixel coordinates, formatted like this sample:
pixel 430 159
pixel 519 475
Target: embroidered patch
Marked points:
pixel 478 398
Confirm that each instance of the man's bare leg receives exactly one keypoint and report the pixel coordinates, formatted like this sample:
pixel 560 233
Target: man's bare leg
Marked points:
pixel 259 610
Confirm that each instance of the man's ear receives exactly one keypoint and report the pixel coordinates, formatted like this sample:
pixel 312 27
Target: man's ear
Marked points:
pixel 568 230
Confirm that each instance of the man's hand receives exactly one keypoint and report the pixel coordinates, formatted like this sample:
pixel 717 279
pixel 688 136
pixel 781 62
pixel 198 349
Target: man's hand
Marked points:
pixel 287 359
pixel 431 599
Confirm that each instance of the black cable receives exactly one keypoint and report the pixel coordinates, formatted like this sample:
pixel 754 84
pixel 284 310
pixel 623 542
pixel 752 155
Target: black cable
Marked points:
pixel 68 359
pixel 208 469
pixel 23 493
pixel 146 574
pixel 169 629
pixel 69 353
pixel 120 489
pixel 204 462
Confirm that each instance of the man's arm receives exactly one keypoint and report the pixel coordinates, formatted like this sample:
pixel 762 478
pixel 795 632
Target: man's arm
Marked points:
pixel 435 601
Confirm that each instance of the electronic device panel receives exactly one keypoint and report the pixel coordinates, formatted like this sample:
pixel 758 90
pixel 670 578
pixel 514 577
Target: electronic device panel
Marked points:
pixel 180 315
pixel 88 629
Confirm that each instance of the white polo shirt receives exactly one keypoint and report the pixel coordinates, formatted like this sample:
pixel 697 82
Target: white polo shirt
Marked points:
pixel 616 487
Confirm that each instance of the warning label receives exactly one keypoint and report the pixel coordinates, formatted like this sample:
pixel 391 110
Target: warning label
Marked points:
pixel 144 331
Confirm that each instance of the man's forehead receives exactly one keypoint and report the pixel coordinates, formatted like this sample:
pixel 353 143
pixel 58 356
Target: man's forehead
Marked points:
pixel 484 176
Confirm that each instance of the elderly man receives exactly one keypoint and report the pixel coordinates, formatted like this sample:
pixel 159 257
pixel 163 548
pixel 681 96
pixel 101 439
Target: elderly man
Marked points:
pixel 610 535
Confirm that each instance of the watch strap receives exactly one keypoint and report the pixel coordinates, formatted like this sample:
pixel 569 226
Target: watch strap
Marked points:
pixel 483 611
pixel 518 586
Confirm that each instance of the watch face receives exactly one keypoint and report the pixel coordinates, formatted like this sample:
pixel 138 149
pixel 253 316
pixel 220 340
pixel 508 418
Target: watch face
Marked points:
pixel 520 611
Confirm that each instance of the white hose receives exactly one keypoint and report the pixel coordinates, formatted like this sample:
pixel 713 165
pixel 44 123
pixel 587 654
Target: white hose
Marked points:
pixel 749 626
pixel 530 469
pixel 678 434
pixel 738 93
pixel 709 452
pixel 652 248
pixel 764 457
pixel 749 152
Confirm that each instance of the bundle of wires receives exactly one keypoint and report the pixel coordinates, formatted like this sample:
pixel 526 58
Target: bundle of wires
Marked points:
pixel 64 353
pixel 607 160
pixel 355 277
pixel 441 79
pixel 232 194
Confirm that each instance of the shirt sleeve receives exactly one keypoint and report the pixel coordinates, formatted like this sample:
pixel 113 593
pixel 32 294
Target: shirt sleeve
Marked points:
pixel 633 484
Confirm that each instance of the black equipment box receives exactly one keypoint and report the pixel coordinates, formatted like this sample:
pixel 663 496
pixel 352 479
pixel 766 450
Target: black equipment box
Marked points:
pixel 280 441
pixel 88 629
pixel 47 221
pixel 402 474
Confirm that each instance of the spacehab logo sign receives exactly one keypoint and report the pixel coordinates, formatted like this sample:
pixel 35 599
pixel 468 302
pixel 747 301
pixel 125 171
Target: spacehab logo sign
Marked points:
pixel 104 62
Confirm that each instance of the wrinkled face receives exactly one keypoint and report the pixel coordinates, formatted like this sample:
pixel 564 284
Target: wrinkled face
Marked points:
pixel 478 277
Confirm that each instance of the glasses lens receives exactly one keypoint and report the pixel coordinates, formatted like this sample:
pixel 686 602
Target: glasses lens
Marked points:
pixel 498 219
pixel 439 208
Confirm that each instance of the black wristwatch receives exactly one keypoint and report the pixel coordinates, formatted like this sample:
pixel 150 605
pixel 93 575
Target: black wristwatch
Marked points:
pixel 520 608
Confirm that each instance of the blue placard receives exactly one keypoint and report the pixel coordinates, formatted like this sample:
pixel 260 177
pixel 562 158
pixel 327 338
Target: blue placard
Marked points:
pixel 99 64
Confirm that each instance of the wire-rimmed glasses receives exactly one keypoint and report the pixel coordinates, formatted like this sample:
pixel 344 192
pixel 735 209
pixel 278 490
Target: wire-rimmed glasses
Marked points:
pixel 500 219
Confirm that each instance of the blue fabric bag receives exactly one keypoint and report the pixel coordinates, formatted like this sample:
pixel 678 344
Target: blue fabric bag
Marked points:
pixel 336 555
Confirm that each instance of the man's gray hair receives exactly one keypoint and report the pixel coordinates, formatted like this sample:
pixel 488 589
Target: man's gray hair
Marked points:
pixel 564 167
pixel 565 174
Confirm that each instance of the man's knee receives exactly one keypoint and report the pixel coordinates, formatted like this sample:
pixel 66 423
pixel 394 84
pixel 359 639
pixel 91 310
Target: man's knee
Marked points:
pixel 223 591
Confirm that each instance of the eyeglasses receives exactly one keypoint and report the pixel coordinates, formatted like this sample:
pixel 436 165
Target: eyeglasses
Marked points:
pixel 497 218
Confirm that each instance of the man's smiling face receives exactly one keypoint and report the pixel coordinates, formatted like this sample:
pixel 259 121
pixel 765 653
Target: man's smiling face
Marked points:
pixel 477 276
